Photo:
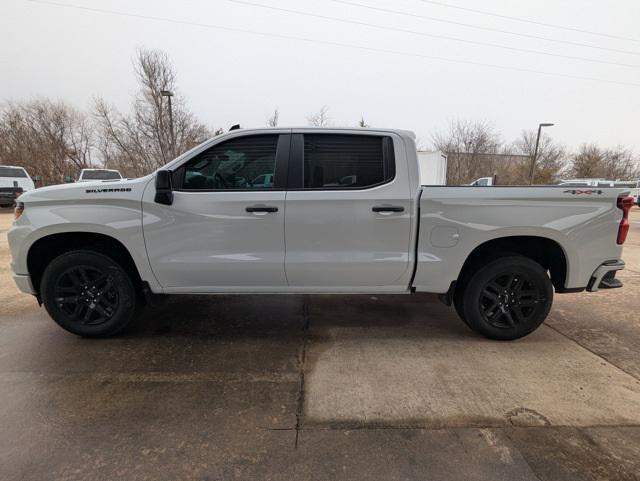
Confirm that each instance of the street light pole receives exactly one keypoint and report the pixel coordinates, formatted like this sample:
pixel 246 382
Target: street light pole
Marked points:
pixel 169 94
pixel 535 153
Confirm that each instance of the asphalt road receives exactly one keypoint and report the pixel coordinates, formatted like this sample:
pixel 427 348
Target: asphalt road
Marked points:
pixel 320 387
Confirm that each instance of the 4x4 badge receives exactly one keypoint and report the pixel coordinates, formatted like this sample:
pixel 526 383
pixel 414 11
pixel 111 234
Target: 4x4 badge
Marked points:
pixel 582 192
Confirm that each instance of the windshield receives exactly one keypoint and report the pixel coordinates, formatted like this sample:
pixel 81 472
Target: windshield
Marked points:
pixel 12 172
pixel 100 175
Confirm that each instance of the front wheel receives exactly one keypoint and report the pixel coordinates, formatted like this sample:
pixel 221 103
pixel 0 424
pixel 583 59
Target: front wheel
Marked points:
pixel 88 294
pixel 508 298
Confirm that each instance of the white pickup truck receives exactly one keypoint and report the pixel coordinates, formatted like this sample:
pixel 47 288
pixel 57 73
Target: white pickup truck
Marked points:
pixel 13 182
pixel 343 211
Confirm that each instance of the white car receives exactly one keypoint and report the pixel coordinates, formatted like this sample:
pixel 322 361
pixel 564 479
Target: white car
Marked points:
pixel 87 175
pixel 13 182
pixel 90 252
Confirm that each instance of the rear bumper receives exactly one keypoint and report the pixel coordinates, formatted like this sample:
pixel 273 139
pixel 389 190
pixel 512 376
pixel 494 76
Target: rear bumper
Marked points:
pixel 600 272
pixel 24 283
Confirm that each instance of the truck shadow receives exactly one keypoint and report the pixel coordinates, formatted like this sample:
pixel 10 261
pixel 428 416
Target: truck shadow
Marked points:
pixel 295 315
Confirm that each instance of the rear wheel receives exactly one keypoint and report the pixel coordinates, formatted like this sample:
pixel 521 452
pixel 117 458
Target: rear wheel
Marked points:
pixel 508 298
pixel 88 294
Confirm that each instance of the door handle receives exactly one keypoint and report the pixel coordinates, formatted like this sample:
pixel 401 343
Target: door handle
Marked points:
pixel 387 208
pixel 261 208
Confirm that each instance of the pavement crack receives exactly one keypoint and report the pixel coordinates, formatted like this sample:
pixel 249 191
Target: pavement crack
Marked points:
pixel 522 454
pixel 591 351
pixel 301 363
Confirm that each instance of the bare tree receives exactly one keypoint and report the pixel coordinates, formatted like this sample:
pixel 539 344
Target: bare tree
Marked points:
pixel 621 163
pixel 320 118
pixel 144 140
pixel 50 139
pixel 471 147
pixel 273 120
pixel 591 161
pixel 550 162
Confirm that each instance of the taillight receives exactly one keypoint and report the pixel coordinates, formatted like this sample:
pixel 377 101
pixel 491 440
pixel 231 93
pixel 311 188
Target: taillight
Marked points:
pixel 625 204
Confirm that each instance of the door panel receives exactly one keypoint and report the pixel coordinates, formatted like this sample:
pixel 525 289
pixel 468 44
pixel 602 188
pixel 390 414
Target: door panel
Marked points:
pixel 209 239
pixel 224 230
pixel 333 237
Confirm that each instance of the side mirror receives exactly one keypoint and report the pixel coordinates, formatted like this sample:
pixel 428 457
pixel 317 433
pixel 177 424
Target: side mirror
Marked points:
pixel 164 190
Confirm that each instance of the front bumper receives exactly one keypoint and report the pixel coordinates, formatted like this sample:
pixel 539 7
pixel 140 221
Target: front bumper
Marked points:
pixel 24 283
pixel 7 198
pixel 600 272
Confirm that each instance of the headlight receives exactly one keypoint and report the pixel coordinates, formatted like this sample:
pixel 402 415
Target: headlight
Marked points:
pixel 19 209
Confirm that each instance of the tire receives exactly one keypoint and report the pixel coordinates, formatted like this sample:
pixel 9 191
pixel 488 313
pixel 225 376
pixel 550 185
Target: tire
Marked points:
pixel 88 294
pixel 507 298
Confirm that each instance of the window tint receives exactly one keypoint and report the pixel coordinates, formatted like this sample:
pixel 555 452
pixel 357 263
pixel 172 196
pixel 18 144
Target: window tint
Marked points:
pixel 12 172
pixel 242 163
pixel 336 161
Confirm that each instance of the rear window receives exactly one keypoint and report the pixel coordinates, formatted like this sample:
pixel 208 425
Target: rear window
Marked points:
pixel 100 175
pixel 339 161
pixel 12 172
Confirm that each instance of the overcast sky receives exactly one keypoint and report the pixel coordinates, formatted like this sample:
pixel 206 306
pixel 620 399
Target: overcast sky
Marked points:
pixel 229 76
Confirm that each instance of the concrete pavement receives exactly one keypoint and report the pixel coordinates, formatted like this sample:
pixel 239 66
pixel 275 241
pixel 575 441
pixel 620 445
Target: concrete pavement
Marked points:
pixel 319 387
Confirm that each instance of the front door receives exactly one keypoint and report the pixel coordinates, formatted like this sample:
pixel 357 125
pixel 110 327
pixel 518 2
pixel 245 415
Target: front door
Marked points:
pixel 348 213
pixel 224 231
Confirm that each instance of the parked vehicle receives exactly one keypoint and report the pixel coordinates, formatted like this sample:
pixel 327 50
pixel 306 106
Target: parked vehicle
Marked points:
pixel 87 175
pixel 632 185
pixel 13 182
pixel 90 252
pixel 483 182
pixel 263 180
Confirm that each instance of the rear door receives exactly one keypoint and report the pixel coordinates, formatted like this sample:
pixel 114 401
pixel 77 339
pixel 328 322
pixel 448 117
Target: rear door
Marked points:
pixel 224 231
pixel 348 212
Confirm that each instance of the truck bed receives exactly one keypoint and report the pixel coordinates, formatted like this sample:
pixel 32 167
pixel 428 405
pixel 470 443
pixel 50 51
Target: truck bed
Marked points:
pixel 456 220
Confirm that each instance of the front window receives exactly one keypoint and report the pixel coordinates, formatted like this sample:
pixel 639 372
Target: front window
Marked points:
pixel 242 163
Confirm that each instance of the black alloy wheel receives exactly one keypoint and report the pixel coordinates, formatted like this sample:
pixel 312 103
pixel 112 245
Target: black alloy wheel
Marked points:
pixel 88 293
pixel 507 298
pixel 511 299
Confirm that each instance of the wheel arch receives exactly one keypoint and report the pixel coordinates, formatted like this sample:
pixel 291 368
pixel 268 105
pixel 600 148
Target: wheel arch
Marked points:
pixel 543 250
pixel 47 248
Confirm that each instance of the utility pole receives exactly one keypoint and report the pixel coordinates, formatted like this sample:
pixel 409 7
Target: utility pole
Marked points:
pixel 535 153
pixel 169 94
